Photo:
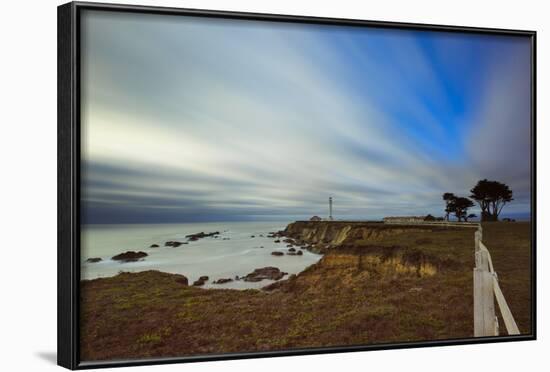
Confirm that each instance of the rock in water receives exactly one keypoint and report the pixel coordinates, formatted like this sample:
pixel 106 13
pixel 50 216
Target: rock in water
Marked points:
pixel 277 253
pixel 223 280
pixel 269 272
pixel 174 243
pixel 154 246
pixel 200 281
pixel 93 260
pixel 202 234
pixel 130 256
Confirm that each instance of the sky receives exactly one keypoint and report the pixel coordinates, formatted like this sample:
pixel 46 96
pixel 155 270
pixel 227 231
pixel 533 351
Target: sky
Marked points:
pixel 188 119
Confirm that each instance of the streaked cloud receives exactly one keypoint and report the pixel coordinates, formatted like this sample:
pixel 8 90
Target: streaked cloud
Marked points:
pixel 203 119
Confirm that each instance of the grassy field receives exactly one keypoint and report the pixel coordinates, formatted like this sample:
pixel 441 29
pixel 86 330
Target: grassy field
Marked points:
pixel 408 286
pixel 510 248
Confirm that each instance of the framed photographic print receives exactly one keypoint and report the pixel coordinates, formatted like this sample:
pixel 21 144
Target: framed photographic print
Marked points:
pixel 236 185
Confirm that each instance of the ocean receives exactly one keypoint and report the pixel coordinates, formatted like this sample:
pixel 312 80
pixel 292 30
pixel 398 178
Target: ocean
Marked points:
pixel 238 254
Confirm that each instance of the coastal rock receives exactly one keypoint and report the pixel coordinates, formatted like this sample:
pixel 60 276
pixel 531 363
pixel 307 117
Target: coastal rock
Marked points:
pixel 93 260
pixel 202 234
pixel 277 234
pixel 200 281
pixel 154 246
pixel 277 253
pixel 252 236
pixel 276 241
pixel 289 245
pixel 173 243
pixel 223 280
pixel 182 280
pixel 130 256
pixel 269 272
pixel 293 252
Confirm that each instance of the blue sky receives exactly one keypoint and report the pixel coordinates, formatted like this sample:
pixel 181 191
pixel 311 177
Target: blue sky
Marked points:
pixel 188 119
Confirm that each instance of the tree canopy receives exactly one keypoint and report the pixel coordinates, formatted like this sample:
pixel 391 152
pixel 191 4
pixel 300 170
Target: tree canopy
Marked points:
pixel 458 206
pixel 491 196
pixel 448 197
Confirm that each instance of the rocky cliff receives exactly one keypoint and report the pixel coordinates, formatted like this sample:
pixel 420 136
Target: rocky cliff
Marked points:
pixel 376 249
pixel 322 235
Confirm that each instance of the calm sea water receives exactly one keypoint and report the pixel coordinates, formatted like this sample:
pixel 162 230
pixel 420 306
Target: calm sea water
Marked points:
pixel 215 257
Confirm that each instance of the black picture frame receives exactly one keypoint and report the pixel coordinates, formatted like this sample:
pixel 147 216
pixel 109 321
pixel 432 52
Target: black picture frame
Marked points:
pixel 69 179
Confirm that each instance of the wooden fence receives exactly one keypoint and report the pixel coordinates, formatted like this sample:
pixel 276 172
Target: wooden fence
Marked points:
pixel 486 286
pixel 486 289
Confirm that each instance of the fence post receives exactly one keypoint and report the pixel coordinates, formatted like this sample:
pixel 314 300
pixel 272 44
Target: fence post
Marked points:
pixel 477 239
pixel 482 260
pixel 484 304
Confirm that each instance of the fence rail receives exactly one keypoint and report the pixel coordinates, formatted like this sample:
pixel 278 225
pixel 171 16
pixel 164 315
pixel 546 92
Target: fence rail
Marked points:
pixel 486 285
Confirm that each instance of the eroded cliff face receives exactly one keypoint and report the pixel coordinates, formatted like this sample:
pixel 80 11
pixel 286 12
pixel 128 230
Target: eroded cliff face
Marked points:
pixel 396 264
pixel 364 251
pixel 348 267
pixel 324 234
